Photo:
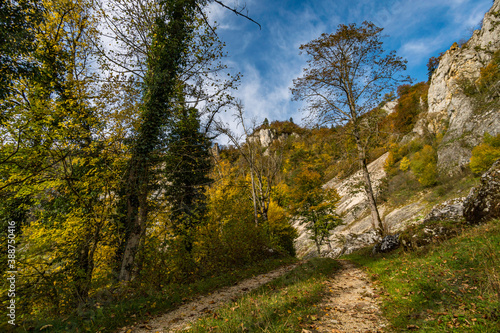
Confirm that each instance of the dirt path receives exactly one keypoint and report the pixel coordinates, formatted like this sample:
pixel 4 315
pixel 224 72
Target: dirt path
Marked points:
pixel 349 305
pixel 180 318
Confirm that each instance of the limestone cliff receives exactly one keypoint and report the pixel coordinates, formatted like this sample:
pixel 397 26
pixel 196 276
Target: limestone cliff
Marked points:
pixel 450 111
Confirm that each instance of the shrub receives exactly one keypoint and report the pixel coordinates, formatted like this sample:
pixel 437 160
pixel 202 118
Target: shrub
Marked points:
pixel 404 164
pixel 485 154
pixel 424 166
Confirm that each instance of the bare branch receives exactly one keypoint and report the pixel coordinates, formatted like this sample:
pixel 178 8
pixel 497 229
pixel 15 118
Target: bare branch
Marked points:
pixel 239 13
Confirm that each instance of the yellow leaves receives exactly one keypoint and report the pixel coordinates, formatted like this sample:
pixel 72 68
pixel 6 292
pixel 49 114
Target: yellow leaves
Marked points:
pixel 389 162
pixel 485 154
pixel 404 164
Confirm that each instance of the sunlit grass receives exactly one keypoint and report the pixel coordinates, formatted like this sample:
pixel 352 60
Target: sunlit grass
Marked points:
pixel 284 305
pixel 453 286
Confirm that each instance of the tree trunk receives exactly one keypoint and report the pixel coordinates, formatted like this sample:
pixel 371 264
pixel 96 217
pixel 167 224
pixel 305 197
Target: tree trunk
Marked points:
pixel 256 216
pixel 376 221
pixel 318 245
pixel 164 64
pixel 137 225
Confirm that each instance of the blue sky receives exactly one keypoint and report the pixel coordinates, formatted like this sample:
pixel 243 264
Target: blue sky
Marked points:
pixel 269 59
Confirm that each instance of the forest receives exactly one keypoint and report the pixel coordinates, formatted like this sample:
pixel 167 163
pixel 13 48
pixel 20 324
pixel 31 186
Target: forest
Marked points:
pixel 117 198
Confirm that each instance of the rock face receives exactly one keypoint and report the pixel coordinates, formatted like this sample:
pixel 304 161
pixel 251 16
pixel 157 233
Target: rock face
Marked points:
pixel 353 198
pixel 449 109
pixel 483 202
pixel 353 204
pixel 350 242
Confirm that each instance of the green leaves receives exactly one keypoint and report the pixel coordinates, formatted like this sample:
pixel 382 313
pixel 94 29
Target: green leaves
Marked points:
pixel 315 205
pixel 485 154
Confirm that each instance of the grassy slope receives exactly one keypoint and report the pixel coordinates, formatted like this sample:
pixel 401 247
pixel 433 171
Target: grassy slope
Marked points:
pixel 452 286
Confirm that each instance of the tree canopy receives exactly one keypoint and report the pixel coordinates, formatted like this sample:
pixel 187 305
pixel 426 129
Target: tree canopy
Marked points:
pixel 347 76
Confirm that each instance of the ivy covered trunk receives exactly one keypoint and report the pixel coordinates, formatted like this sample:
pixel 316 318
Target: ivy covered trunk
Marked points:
pixel 168 51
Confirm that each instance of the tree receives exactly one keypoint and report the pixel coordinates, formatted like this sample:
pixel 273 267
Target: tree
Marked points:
pixel 264 163
pixel 163 45
pixel 55 167
pixel 17 22
pixel 187 165
pixel 315 205
pixel 171 35
pixel 432 65
pixel 348 73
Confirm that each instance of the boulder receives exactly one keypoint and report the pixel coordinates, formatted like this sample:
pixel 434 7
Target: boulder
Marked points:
pixel 388 244
pixel 483 202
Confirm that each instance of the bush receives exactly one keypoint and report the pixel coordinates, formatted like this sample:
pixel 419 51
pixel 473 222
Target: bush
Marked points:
pixel 280 231
pixel 412 101
pixel 424 166
pixel 404 164
pixel 485 154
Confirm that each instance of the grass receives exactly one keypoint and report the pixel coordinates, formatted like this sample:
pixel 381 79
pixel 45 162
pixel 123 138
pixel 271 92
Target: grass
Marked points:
pixel 286 304
pixel 452 286
pixel 133 307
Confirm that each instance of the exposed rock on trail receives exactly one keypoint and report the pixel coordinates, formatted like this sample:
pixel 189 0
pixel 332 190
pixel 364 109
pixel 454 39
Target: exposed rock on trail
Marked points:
pixel 179 319
pixel 350 304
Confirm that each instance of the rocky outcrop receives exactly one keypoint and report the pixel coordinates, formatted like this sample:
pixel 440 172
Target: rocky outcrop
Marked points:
pixel 450 110
pixel 451 210
pixel 483 202
pixel 264 137
pixel 390 106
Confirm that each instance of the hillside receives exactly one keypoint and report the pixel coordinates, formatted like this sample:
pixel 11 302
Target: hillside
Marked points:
pixel 450 120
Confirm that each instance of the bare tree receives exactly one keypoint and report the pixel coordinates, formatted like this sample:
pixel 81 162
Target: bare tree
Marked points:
pixel 264 163
pixel 348 73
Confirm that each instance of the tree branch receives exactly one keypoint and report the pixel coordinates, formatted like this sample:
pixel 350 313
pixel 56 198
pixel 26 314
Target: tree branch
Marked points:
pixel 238 13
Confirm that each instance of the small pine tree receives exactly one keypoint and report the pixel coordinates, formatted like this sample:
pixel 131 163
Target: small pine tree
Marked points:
pixel 404 164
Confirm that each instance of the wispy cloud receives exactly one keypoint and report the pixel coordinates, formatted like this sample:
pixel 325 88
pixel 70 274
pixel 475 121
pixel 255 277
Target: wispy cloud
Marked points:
pixel 269 58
